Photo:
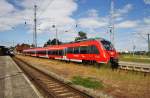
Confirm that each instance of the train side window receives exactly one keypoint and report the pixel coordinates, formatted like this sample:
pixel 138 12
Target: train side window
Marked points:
pixel 60 52
pixel 32 52
pixel 53 52
pixel 94 50
pixel 39 52
pixel 57 52
pixel 70 50
pixel 83 50
pixel 76 50
pixel 50 52
pixel 42 52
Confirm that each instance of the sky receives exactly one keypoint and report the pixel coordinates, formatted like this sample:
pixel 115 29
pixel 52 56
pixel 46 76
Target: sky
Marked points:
pixel 131 21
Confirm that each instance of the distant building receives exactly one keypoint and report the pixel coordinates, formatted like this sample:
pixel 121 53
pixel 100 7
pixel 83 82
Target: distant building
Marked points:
pixel 20 48
pixel 3 50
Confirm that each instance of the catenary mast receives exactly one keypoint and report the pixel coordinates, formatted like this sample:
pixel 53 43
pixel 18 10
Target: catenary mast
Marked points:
pixel 112 37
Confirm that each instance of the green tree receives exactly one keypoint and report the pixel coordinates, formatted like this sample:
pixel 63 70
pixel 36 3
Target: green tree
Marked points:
pixel 52 42
pixel 81 35
pixel 47 43
pixel 55 42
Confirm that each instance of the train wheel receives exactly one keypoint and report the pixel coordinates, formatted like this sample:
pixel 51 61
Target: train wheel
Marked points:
pixel 97 65
pixel 91 62
pixel 114 65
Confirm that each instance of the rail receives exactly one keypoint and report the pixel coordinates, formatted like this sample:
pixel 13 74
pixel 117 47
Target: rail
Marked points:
pixel 140 67
pixel 52 87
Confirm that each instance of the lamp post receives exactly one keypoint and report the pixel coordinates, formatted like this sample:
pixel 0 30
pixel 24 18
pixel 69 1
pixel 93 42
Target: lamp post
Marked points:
pixel 54 26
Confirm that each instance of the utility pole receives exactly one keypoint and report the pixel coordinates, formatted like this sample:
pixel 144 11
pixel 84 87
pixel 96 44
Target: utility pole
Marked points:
pixel 54 26
pixel 148 35
pixel 13 44
pixel 35 27
pixel 112 37
pixel 56 36
pixel 133 47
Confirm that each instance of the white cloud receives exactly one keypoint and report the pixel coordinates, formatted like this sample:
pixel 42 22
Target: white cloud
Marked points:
pixel 147 1
pixel 5 8
pixel 90 22
pixel 143 29
pixel 124 10
pixel 59 11
pixel 127 24
pixel 147 20
pixel 93 20
pixel 92 13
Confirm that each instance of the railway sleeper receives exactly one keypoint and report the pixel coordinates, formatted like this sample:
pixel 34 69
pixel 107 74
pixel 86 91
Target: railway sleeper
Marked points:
pixel 61 91
pixel 66 94
pixel 51 87
pixel 61 88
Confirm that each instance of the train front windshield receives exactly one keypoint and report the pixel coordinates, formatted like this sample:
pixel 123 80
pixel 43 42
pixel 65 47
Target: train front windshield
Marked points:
pixel 107 45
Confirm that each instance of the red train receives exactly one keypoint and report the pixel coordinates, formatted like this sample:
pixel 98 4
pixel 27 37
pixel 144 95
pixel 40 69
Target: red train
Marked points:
pixel 96 50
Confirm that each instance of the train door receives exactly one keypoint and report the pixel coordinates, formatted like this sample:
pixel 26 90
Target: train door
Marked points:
pixel 47 53
pixel 65 54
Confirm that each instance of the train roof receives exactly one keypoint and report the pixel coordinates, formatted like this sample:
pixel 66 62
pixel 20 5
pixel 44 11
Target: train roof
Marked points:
pixel 2 46
pixel 89 39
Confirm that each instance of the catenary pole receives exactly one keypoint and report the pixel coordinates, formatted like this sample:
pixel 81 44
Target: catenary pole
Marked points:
pixel 35 27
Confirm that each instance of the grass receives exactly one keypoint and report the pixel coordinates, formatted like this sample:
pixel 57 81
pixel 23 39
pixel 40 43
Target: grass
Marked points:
pixel 135 58
pixel 123 83
pixel 87 82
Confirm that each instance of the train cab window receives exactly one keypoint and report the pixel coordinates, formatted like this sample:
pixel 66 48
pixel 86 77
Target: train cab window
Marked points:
pixel 83 50
pixel 70 50
pixel 107 45
pixel 76 50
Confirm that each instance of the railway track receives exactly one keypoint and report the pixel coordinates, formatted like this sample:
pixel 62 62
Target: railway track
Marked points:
pixel 52 87
pixel 140 67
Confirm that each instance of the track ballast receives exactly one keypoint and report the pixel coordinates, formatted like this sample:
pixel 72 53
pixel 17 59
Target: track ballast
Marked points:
pixel 52 87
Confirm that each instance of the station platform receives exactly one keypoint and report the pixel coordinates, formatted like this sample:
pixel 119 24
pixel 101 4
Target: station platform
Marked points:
pixel 13 82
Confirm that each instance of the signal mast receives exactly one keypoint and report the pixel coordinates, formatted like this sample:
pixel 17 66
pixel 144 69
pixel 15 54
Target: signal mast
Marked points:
pixel 35 27
pixel 111 25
